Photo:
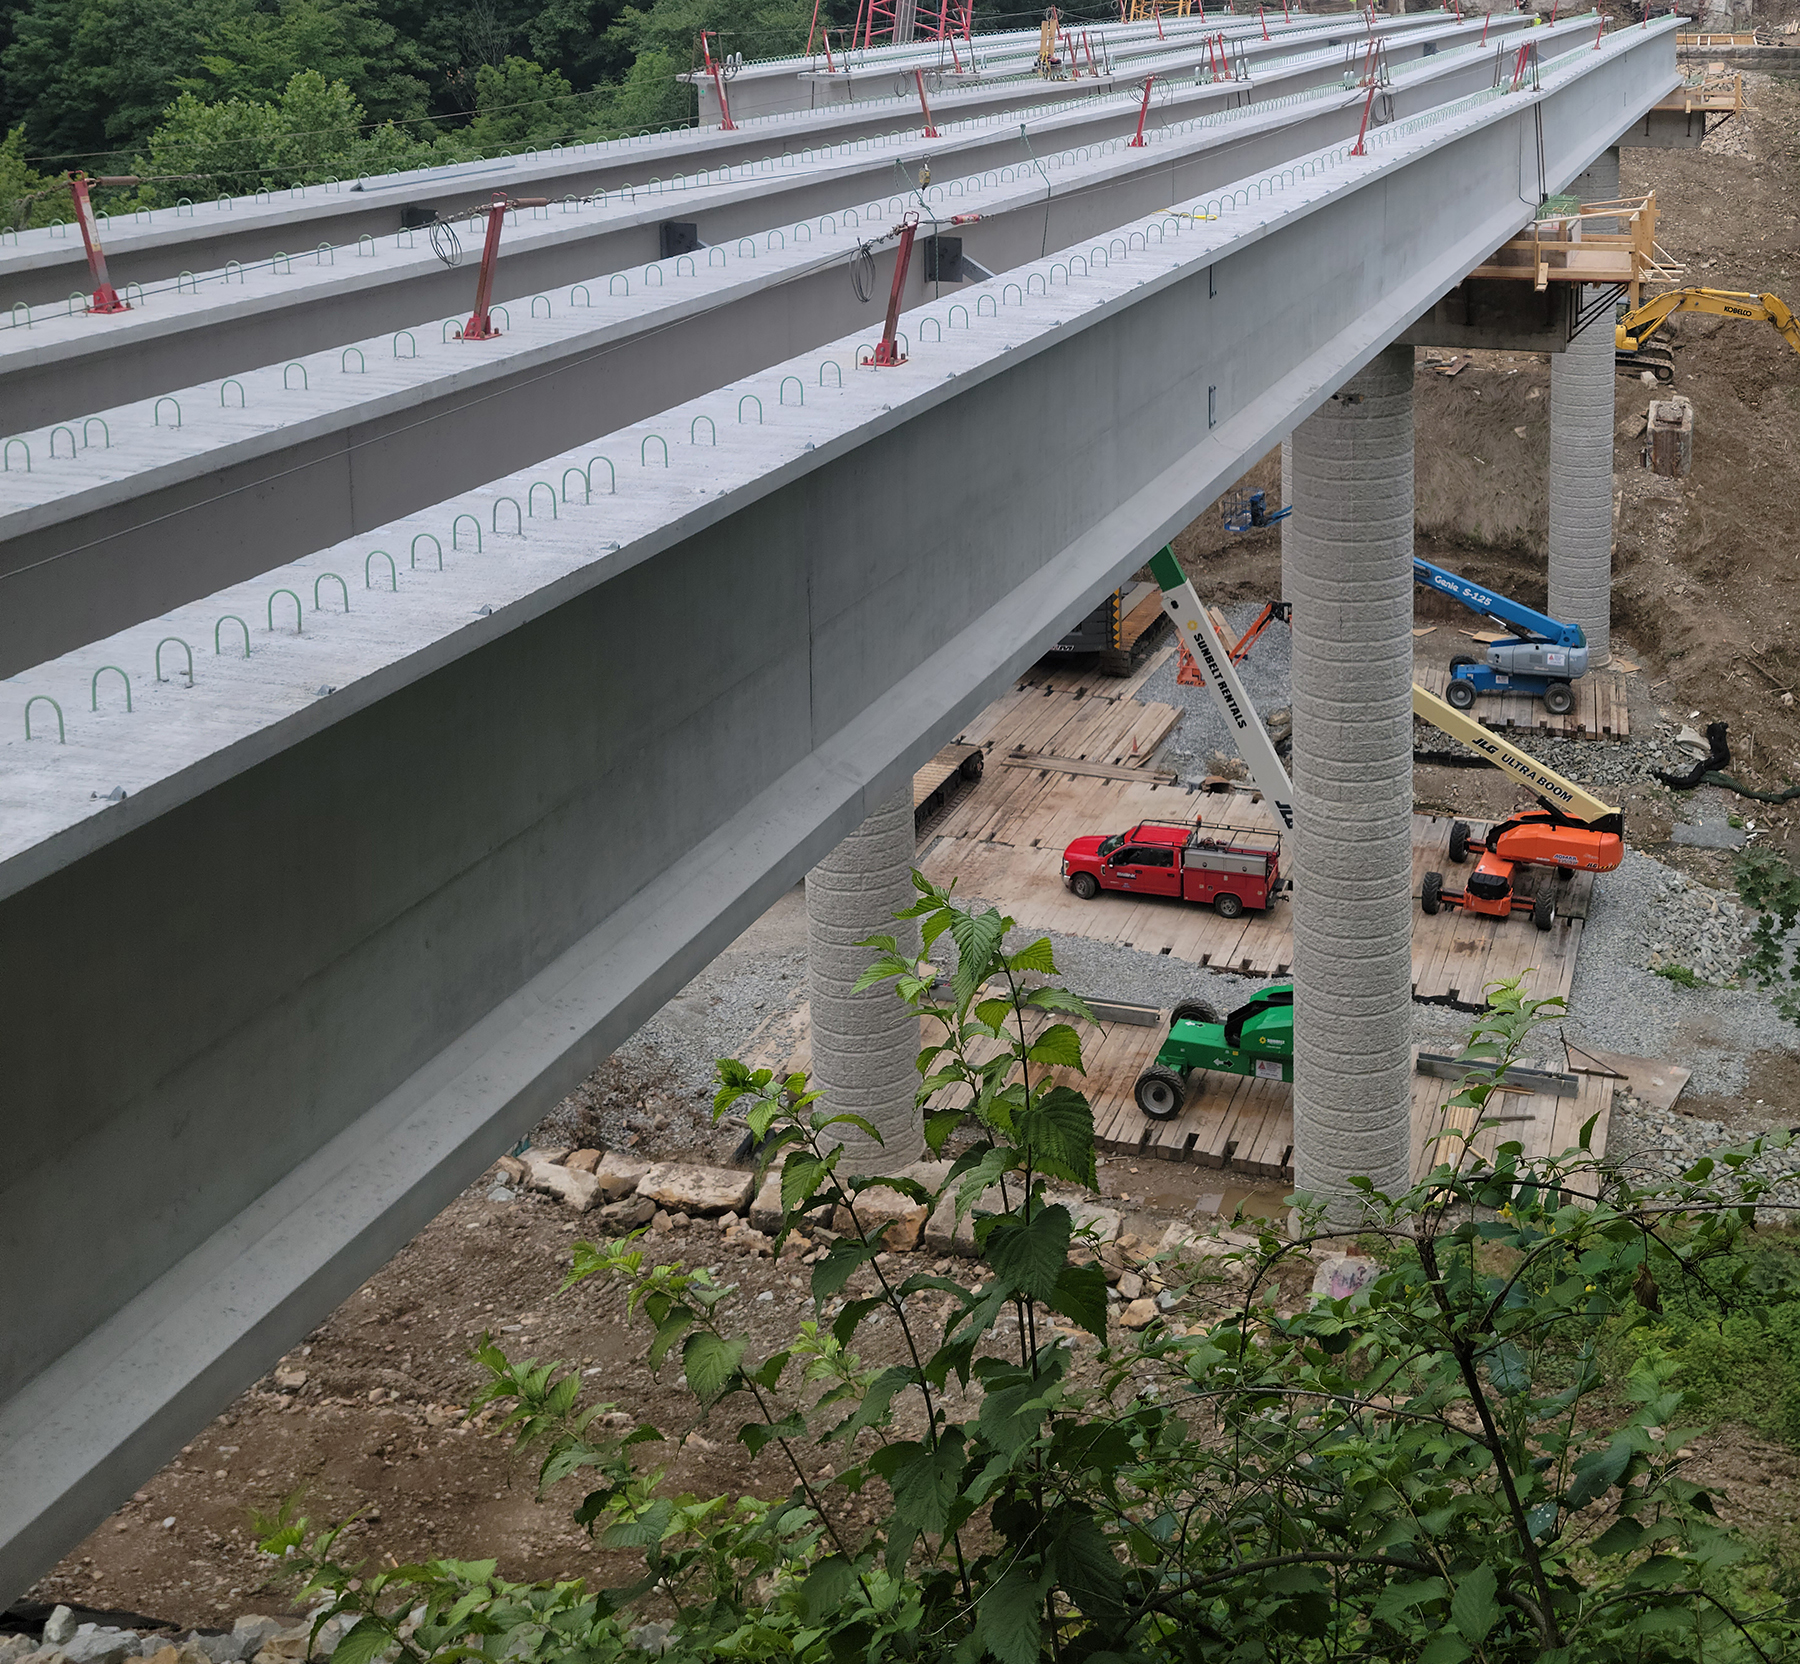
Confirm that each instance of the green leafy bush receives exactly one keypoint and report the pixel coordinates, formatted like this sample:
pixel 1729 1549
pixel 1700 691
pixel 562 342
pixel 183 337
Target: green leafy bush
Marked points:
pixel 1436 1469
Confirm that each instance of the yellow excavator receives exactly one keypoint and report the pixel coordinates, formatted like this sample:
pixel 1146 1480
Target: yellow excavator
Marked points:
pixel 1635 350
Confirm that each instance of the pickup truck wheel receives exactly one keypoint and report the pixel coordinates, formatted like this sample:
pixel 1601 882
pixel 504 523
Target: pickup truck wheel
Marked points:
pixel 1543 912
pixel 1228 906
pixel 1085 885
pixel 1459 841
pixel 1160 1094
pixel 1431 892
pixel 1460 694
pixel 1559 699
pixel 1193 1012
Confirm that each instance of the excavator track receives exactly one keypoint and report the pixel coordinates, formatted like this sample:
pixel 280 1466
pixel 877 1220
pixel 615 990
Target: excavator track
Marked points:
pixel 1659 361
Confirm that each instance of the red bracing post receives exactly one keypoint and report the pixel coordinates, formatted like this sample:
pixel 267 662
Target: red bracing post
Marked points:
pixel 1137 142
pixel 955 57
pixel 811 27
pixel 1489 18
pixel 1260 19
pixel 886 352
pixel 712 66
pixel 106 298
pixel 1156 12
pixel 930 131
pixel 1361 132
pixel 480 326
pixel 1088 47
pixel 1600 31
pixel 830 67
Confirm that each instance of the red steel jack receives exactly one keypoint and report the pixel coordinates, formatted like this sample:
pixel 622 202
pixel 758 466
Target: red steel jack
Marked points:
pixel 1358 148
pixel 713 69
pixel 1137 140
pixel 1262 20
pixel 106 297
pixel 887 351
pixel 931 132
pixel 480 326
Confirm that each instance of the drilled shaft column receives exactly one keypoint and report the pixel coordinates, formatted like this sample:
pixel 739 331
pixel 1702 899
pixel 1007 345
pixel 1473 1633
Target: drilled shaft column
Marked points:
pixel 1287 496
pixel 1581 457
pixel 1350 563
pixel 864 1045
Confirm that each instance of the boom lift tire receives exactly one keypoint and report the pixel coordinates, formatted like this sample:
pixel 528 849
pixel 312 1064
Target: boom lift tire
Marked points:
pixel 1459 841
pixel 1228 906
pixel 1559 699
pixel 1543 912
pixel 1160 1094
pixel 1193 1012
pixel 1085 885
pixel 1461 694
pixel 1431 892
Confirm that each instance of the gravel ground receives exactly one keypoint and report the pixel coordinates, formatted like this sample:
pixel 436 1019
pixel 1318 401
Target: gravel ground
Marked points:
pixel 1619 1003
pixel 1202 742
pixel 1652 1146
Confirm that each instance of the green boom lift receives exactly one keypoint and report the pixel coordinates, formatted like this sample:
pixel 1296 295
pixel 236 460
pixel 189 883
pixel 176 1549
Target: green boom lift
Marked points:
pixel 1256 1039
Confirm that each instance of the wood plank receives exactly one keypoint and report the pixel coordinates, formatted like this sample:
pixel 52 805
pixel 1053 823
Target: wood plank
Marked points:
pixel 1090 770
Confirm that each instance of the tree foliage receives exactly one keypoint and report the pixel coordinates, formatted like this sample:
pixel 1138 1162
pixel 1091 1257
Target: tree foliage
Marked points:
pixel 1434 1469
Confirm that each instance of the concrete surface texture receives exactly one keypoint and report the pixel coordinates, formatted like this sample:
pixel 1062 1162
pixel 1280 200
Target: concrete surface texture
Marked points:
pixel 1581 458
pixel 1351 567
pixel 864 1044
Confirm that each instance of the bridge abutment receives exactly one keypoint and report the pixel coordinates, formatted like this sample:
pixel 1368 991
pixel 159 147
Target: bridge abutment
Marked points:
pixel 1347 567
pixel 1581 457
pixel 864 1045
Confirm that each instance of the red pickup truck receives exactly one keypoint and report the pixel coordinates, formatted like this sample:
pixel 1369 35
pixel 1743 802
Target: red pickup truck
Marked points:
pixel 1217 867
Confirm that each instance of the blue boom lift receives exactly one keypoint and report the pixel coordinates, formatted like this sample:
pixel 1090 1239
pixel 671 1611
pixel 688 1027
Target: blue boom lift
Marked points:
pixel 1542 657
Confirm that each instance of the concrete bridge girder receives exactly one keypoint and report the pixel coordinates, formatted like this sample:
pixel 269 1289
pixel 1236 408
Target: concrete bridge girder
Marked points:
pixel 198 513
pixel 45 266
pixel 403 916
pixel 71 365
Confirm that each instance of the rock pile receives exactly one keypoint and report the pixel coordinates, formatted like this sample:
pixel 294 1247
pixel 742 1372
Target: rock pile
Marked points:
pixel 626 1194
pixel 1648 1145
pixel 1691 926
pixel 251 1640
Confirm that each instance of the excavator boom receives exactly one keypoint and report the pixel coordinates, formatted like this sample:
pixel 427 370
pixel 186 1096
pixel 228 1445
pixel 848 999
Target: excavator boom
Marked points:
pixel 1562 797
pixel 1641 324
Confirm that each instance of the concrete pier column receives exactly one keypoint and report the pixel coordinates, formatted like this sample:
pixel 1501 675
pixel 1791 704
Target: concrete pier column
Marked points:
pixel 1287 496
pixel 864 1045
pixel 1581 457
pixel 1349 558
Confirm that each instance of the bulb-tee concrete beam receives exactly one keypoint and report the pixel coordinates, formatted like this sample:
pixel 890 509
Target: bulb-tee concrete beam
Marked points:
pixel 402 877
pixel 1349 552
pixel 178 494
pixel 864 1044
pixel 45 265
pixel 1582 386
pixel 217 323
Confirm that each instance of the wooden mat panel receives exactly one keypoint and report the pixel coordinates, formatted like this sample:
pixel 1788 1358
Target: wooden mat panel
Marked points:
pixel 1601 710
